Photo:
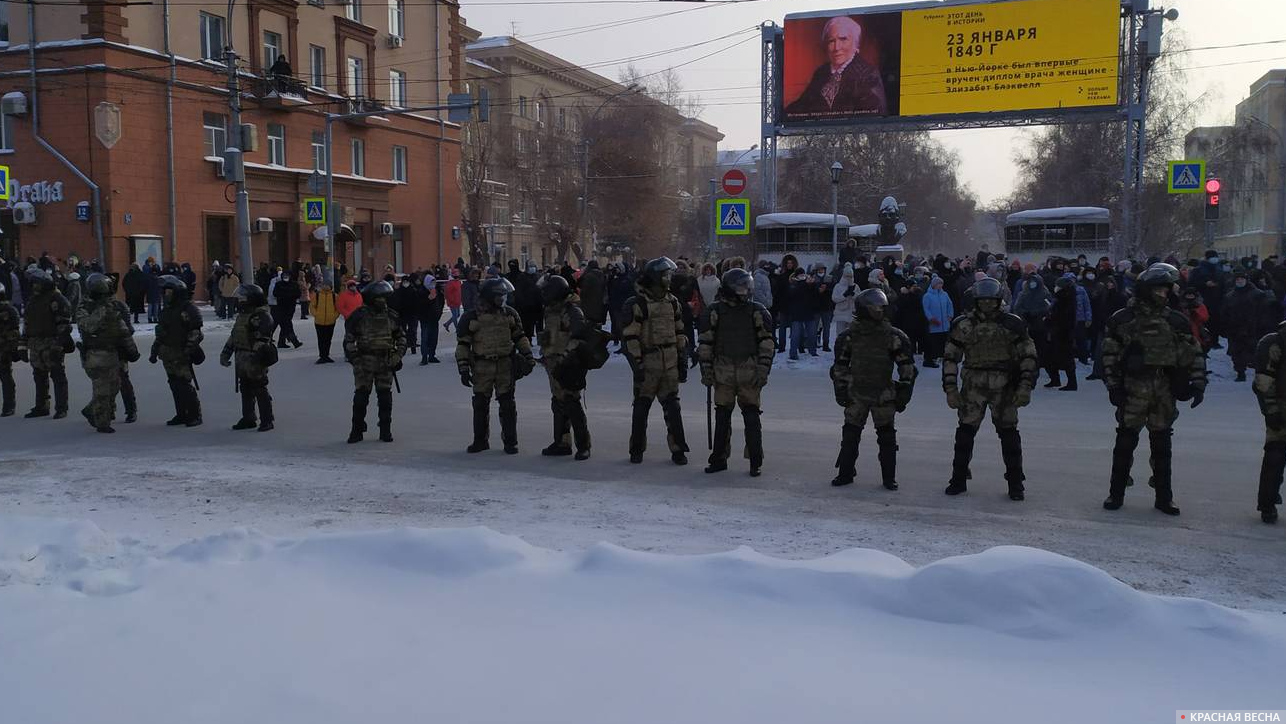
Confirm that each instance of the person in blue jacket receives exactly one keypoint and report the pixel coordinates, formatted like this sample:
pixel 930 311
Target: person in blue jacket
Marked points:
pixel 939 311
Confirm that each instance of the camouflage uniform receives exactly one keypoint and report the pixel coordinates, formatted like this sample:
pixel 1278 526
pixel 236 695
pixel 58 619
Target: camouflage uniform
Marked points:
pixel 492 352
pixel 736 351
pixel 1149 357
pixel 655 343
pixel 374 344
pixel 178 346
pixel 867 356
pixel 1270 389
pixel 48 339
pixel 999 360
pixel 106 341
pixel 563 333
pixel 251 348
pixel 126 384
pixel 11 350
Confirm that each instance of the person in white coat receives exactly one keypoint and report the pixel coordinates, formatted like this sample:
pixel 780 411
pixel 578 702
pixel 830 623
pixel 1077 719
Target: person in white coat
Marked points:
pixel 844 294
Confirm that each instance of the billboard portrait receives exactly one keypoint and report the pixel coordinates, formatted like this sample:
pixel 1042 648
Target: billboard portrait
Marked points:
pixel 1002 56
pixel 842 66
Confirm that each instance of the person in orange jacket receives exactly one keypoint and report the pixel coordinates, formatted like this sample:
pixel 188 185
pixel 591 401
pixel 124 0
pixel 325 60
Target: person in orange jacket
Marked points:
pixel 350 300
pixel 325 309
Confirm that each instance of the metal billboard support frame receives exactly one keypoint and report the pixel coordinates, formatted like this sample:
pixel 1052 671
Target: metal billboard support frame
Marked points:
pixel 1139 47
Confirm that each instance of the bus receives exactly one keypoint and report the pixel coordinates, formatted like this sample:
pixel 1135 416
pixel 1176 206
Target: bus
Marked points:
pixel 1065 232
pixel 806 236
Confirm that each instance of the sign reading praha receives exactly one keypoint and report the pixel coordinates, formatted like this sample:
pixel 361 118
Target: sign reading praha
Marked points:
pixel 1012 56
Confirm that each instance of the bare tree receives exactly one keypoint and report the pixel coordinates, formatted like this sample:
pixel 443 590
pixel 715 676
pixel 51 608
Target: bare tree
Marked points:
pixel 665 86
pixel 477 161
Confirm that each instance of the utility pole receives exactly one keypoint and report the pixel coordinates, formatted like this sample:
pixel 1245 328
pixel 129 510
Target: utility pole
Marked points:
pixel 234 159
pixel 714 218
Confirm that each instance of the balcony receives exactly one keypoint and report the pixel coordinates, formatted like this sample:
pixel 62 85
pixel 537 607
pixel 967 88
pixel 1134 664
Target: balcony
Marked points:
pixel 279 91
pixel 361 104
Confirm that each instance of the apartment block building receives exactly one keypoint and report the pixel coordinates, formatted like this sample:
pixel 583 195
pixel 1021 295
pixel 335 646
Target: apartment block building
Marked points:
pixel 132 99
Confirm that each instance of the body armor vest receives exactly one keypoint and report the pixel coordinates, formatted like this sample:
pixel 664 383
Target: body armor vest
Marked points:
pixel 556 334
pixel 1157 342
pixel 40 315
pixel 658 328
pixel 493 336
pixel 376 333
pixel 735 337
pixel 992 346
pixel 871 360
pixel 243 330
pixel 171 330
pixel 100 328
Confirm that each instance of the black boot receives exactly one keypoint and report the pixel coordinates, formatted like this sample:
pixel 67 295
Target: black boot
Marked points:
pixel 384 400
pixel 41 380
pixel 850 439
pixel 265 409
pixel 1071 380
pixel 193 405
pixel 575 413
pixel 361 398
pixel 1011 451
pixel 180 404
pixel 247 421
pixel 560 447
pixel 508 422
pixel 674 429
pixel 128 397
pixel 8 393
pixel 750 416
pixel 887 439
pixel 59 377
pixel 481 424
pixel 1162 471
pixel 722 440
pixel 1270 479
pixel 1122 461
pixel 1054 379
pixel 638 428
pixel 963 456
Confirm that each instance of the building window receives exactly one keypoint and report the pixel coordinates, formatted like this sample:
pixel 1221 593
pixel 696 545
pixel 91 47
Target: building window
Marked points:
pixel 397 89
pixel 520 142
pixel 356 77
pixel 319 151
pixel 317 66
pixel 276 144
pixel 353 10
pixel 396 18
pixel 562 119
pixel 398 237
pixel 399 163
pixel 216 133
pixel 211 37
pixel 540 113
pixel 359 157
pixel 522 106
pixel 271 48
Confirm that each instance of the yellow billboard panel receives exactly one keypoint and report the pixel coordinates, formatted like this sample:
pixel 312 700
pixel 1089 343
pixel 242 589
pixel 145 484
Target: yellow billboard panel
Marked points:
pixel 1010 56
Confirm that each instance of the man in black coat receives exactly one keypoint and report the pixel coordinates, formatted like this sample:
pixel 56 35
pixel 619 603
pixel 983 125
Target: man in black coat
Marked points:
pixel 525 298
pixel 286 294
pixel 592 288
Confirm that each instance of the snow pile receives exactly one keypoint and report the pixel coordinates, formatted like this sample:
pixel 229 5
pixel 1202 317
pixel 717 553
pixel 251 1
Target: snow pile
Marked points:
pixel 474 626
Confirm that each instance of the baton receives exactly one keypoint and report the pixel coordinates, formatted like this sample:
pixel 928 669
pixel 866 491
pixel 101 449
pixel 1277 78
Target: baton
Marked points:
pixel 709 429
pixel 397 384
pixel 195 382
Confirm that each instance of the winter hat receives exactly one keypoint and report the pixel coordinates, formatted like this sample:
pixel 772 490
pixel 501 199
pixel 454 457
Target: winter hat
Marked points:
pixel 1211 253
pixel 848 268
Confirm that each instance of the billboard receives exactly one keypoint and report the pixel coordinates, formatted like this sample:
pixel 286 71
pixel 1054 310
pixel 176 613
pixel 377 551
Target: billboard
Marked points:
pixel 1009 56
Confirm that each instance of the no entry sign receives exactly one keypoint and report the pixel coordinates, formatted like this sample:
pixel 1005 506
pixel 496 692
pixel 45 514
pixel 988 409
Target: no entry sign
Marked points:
pixel 734 182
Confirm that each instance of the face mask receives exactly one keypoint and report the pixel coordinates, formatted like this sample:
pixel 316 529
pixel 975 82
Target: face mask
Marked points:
pixel 1241 283
pixel 1089 277
pixel 1214 260
pixel 1032 285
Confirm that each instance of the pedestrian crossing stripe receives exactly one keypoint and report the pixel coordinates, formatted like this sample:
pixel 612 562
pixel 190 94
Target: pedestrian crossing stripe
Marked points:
pixel 1185 177
pixel 733 217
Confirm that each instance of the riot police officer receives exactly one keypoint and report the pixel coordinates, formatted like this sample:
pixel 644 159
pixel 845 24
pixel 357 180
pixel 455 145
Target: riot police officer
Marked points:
pixel 178 346
pixel 374 344
pixel 492 353
pixel 250 346
pixel 126 384
pixel 999 361
pixel 1150 359
pixel 736 352
pixel 1270 389
pixel 48 340
pixel 12 350
pixel 867 356
pixel 106 342
pixel 563 333
pixel 656 344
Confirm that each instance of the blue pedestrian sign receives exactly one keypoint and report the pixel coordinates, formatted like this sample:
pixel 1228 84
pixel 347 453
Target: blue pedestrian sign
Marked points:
pixel 314 211
pixel 4 183
pixel 733 217
pixel 1185 177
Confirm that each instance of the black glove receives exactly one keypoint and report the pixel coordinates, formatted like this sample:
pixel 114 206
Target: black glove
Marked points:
pixel 851 291
pixel 397 365
pixel 902 396
pixel 466 378
pixel 196 355
pixel 69 345
pixel 683 373
pixel 1117 396
pixel 152 358
pixel 1198 395
pixel 841 396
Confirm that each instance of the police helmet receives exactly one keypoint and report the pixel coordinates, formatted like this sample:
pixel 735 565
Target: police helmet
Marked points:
pixel 40 278
pixel 493 292
pixel 98 285
pixel 868 301
pixel 377 290
pixel 737 284
pixel 657 273
pixel 169 281
pixel 1158 275
pixel 251 295
pixel 553 288
pixel 988 289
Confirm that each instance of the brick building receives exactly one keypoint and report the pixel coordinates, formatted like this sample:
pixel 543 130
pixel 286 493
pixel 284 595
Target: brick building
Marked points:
pixel 100 95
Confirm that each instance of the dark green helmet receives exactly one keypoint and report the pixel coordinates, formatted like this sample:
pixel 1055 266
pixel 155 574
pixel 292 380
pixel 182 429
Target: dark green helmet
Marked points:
pixel 1158 275
pixel 99 286
pixel 492 293
pixel 377 290
pixel 169 281
pixel 553 288
pixel 657 273
pixel 988 289
pixel 868 302
pixel 737 284
pixel 251 295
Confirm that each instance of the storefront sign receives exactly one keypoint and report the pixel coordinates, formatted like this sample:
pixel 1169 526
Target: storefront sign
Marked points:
pixel 41 192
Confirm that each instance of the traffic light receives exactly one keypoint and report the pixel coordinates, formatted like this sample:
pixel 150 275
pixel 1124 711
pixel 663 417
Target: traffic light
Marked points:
pixel 1213 187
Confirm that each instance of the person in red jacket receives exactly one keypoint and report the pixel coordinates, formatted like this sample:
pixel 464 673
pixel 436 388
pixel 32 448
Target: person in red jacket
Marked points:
pixel 1198 316
pixel 454 295
pixel 350 300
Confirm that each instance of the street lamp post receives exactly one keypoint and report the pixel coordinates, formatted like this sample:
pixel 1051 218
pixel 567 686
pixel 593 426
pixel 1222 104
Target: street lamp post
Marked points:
pixel 836 170
pixel 234 116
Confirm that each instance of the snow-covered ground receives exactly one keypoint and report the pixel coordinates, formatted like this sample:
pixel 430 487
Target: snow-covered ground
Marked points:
pixel 119 576
pixel 469 625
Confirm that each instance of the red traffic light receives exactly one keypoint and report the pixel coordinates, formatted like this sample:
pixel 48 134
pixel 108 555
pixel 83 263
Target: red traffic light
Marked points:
pixel 1213 186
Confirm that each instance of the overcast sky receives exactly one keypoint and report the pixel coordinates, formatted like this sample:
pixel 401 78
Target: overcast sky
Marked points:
pixel 728 81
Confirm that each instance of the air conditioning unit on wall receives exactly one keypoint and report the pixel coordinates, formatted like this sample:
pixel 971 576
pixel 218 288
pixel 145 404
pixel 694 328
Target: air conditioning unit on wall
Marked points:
pixel 386 229
pixel 24 213
pixel 395 41
pixel 263 225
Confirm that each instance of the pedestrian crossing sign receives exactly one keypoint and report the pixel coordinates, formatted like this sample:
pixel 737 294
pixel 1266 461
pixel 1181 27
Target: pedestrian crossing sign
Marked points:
pixel 1186 177
pixel 315 211
pixel 4 183
pixel 733 216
